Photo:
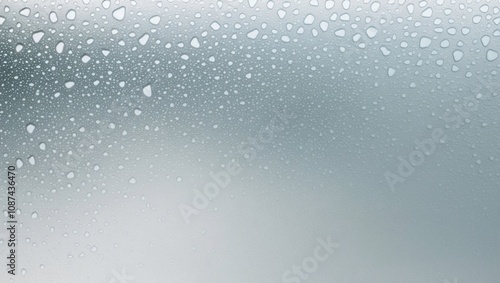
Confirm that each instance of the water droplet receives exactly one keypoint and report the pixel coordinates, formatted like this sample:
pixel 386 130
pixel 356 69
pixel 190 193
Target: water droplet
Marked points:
pixel 427 13
pixel 30 128
pixel 37 36
pixel 119 13
pixel 31 160
pixel 69 84
pixel 155 20
pixel 132 180
pixel 25 12
pixel 458 55
pixel 485 40
pixel 71 15
pixel 391 72
pixel 195 43
pixel 34 215
pixel 147 91
pixel 19 163
pixel 70 175
pixel 309 19
pixel 375 6
pixel 106 4
pixel 60 47
pixel 491 55
pixel 253 34
pixel 53 17
pixel 425 42
pixel 371 32
pixel 143 40
pixel 215 26
pixel 85 58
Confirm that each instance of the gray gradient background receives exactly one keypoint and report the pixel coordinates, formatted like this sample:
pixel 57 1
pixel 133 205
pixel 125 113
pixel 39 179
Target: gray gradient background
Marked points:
pixel 322 175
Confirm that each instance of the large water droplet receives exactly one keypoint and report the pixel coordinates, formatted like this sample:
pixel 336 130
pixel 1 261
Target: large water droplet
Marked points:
pixel 25 12
pixel 147 91
pixel 195 43
pixel 53 17
pixel 425 42
pixel 119 13
pixel 491 55
pixel 37 36
pixel 155 20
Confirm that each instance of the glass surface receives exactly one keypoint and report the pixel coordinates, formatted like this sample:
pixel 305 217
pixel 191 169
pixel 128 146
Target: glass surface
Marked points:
pixel 250 141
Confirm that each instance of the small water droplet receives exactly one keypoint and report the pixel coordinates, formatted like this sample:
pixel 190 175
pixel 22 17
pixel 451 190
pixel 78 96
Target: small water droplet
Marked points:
pixel 30 128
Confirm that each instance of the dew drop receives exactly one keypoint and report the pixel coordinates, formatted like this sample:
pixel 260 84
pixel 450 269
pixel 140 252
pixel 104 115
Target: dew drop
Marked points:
pixel 143 40
pixel 309 19
pixel 147 91
pixel 25 12
pixel 491 55
pixel 53 17
pixel 31 160
pixel 30 128
pixel 71 15
pixel 425 42
pixel 69 84
pixel 85 58
pixel 119 13
pixel 215 26
pixel 37 36
pixel 60 47
pixel 195 43
pixel 106 4
pixel 253 34
pixel 155 20
pixel 371 32
pixel 485 40
pixel 458 55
